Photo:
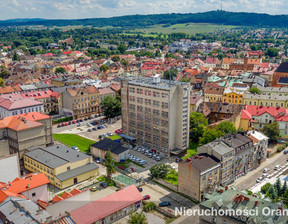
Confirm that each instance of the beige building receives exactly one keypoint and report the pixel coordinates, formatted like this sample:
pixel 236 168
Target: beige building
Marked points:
pixel 81 102
pixel 156 112
pixel 23 131
pixel 198 175
pixel 213 94
pixel 272 100
pixel 63 166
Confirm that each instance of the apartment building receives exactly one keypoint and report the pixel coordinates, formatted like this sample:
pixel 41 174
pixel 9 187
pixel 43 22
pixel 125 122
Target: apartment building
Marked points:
pixel 52 101
pixel 198 175
pixel 62 165
pixel 212 94
pixel 236 155
pixel 81 102
pixel 272 100
pixel 156 112
pixel 15 103
pixel 20 132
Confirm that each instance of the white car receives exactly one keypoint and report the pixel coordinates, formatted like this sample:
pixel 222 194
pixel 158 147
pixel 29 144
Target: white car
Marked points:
pixel 259 179
pixel 265 170
pixel 277 167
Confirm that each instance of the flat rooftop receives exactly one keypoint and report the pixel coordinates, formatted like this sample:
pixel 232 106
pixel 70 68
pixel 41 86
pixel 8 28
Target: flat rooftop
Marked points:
pixel 55 156
pixel 156 83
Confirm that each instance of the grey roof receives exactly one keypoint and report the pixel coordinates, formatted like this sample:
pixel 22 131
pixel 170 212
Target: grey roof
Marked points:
pixel 77 171
pixel 273 89
pixel 22 211
pixel 265 96
pixel 107 143
pixel 55 156
pixel 127 137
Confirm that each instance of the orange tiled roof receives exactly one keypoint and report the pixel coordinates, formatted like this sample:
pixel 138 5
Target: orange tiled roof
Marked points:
pixel 5 194
pixel 29 182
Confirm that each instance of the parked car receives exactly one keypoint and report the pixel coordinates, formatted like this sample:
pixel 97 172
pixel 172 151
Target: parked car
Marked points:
pixel 265 175
pixel 277 167
pixel 75 148
pixel 164 204
pixel 259 179
pixel 109 134
pixel 140 189
pixel 265 170
pixel 150 155
pixel 93 189
pixel 59 126
pixel 121 167
pixel 73 122
pixel 146 197
pixel 104 185
pixel 285 151
pixel 132 169
pixel 89 130
pixel 94 129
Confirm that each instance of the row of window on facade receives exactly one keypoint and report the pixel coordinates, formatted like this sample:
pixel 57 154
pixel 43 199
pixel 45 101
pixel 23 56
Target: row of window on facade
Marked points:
pixel 266 104
pixel 85 99
pixel 24 111
pixel 148 92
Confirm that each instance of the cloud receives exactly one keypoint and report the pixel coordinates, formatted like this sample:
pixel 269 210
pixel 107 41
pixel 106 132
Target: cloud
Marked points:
pixel 72 9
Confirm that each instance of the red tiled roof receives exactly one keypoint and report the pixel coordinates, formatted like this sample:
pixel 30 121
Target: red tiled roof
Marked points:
pixel 29 182
pixel 105 206
pixel 279 113
pixel 105 91
pixel 15 101
pixel 5 194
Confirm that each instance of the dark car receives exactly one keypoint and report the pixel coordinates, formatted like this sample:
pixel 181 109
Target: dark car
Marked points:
pixel 285 151
pixel 94 129
pixel 59 126
pixel 164 204
pixel 89 130
pixel 104 185
pixel 140 189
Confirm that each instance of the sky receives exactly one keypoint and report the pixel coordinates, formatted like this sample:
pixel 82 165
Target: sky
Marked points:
pixel 75 9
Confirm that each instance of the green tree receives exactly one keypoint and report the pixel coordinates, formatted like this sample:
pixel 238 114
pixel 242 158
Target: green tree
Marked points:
pixel 272 193
pixel 122 48
pixel 254 90
pixel 104 68
pixel 284 188
pixel 15 56
pixel 110 169
pixel 4 73
pixel 210 135
pixel 137 218
pixel 286 195
pixel 160 170
pixel 60 70
pixel 198 124
pixel 265 188
pixel 278 187
pixel 2 83
pixel 115 58
pixel 272 52
pixel 170 73
pixel 272 131
pixel 226 127
pixel 124 62
pixel 111 106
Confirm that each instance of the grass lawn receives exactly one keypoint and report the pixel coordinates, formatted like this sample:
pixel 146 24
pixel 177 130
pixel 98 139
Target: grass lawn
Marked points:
pixel 192 151
pixel 114 137
pixel 74 140
pixel 172 177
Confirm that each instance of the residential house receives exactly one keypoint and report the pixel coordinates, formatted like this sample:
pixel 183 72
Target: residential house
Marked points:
pixel 234 95
pixel 238 201
pixel 195 101
pixel 118 152
pixel 33 187
pixel 63 166
pixel 198 175
pixel 260 142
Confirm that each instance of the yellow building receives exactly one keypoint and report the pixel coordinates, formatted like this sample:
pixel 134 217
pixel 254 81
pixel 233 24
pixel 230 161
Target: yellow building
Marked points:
pixel 63 166
pixel 271 100
pixel 233 95
pixel 213 94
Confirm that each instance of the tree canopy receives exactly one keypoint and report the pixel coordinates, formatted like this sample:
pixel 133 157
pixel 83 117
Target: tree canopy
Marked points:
pixel 254 90
pixel 111 106
pixel 2 83
pixel 137 218
pixel 170 73
pixel 272 131
pixel 210 135
pixel 60 70
pixel 226 127
pixel 160 170
pixel 198 124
